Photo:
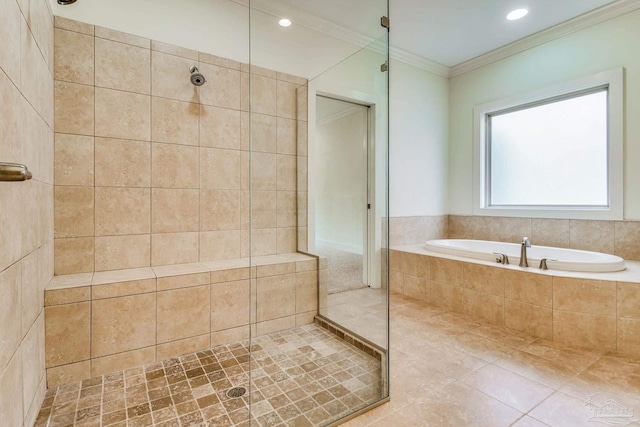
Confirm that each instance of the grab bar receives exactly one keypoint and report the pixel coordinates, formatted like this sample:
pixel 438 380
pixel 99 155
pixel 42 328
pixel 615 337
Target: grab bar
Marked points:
pixel 14 172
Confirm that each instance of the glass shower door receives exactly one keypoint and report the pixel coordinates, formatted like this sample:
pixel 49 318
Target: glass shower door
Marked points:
pixel 317 356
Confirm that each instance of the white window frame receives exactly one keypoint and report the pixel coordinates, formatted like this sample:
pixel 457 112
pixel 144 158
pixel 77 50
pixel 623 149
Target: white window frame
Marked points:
pixel 614 81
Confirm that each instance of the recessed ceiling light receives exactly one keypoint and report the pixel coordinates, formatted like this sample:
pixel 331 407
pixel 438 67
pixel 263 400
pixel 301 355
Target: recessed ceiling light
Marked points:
pixel 517 14
pixel 284 22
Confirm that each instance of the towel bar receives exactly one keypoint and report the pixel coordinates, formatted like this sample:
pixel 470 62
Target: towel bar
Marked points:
pixel 14 172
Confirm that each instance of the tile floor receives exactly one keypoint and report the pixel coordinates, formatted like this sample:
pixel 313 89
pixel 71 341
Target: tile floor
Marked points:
pixel 362 311
pixel 447 370
pixel 300 377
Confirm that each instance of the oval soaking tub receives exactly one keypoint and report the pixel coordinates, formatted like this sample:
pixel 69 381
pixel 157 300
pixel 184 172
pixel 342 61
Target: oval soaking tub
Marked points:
pixel 567 259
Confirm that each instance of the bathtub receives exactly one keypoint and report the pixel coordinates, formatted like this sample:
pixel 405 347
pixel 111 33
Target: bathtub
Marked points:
pixel 567 259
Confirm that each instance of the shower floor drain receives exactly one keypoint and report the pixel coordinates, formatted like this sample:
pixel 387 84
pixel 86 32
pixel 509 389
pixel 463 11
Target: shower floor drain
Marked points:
pixel 236 392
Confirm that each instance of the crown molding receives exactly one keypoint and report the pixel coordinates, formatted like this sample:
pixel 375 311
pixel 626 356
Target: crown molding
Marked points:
pixel 315 23
pixel 419 62
pixel 340 32
pixel 312 22
pixel 578 23
pixel 339 115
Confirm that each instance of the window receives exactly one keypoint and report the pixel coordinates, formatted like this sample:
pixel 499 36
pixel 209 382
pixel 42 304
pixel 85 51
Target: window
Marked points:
pixel 555 153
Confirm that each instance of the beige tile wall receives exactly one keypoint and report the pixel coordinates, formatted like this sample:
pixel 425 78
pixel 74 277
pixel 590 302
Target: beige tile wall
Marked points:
pixel 620 238
pixel 103 322
pixel 150 170
pixel 409 230
pixel 596 314
pixel 26 208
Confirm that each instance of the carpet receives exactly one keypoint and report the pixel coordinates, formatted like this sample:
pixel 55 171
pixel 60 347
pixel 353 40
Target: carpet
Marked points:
pixel 344 269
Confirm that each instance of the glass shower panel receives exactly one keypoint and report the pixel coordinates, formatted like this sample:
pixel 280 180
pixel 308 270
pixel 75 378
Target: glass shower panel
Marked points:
pixel 353 286
pixel 317 357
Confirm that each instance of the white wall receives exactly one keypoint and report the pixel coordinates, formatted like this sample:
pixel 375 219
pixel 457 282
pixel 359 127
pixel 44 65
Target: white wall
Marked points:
pixel 218 27
pixel 419 134
pixel 341 179
pixel 602 47
pixel 357 79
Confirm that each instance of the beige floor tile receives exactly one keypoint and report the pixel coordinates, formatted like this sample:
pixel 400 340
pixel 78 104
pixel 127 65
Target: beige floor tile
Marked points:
pixel 573 358
pixel 561 410
pixel 416 379
pixel 527 421
pixel 296 379
pixel 411 416
pixel 509 388
pixel 462 405
pixel 550 373
pixel 506 337
pixel 479 347
pixel 615 376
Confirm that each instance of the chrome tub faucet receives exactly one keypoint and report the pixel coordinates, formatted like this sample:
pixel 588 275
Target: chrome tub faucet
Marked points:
pixel 523 252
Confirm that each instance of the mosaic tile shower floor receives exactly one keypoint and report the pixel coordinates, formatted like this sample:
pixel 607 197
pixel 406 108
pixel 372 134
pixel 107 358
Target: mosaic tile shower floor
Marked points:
pixel 299 377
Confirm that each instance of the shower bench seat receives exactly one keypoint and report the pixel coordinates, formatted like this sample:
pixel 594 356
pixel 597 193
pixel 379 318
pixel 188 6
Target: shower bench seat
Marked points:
pixel 97 323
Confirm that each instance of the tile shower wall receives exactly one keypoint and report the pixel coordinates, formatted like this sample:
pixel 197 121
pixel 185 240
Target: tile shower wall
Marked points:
pixel 150 170
pixel 26 208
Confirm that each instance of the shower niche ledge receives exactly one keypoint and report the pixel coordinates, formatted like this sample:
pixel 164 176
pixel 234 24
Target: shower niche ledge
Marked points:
pixel 98 323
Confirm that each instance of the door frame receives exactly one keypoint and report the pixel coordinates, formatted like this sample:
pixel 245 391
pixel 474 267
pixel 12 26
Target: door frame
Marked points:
pixel 365 157
pixel 378 210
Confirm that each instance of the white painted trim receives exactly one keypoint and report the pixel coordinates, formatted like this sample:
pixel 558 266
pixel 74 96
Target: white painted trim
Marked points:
pixel 419 62
pixel 377 138
pixel 342 247
pixel 315 23
pixel 615 80
pixel 339 115
pixel 596 16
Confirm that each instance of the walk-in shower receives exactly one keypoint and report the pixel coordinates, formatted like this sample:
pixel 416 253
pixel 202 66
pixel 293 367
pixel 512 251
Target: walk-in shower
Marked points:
pixel 194 242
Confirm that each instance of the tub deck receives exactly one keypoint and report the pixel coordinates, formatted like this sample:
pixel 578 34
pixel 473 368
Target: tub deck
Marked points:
pixel 589 310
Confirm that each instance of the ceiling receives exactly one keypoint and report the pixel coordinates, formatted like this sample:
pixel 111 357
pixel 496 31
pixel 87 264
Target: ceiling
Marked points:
pixel 325 32
pixel 448 31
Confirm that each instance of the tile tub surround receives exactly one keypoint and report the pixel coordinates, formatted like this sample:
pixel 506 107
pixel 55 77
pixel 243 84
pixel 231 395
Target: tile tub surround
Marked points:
pixel 26 208
pixel 621 238
pixel 591 310
pixel 150 170
pixel 300 377
pixel 108 321
pixel 409 230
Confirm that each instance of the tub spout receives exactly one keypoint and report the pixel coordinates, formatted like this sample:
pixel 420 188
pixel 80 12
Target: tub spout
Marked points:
pixel 523 252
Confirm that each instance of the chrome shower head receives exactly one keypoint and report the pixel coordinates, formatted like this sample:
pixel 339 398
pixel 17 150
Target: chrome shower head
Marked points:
pixel 66 2
pixel 196 77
